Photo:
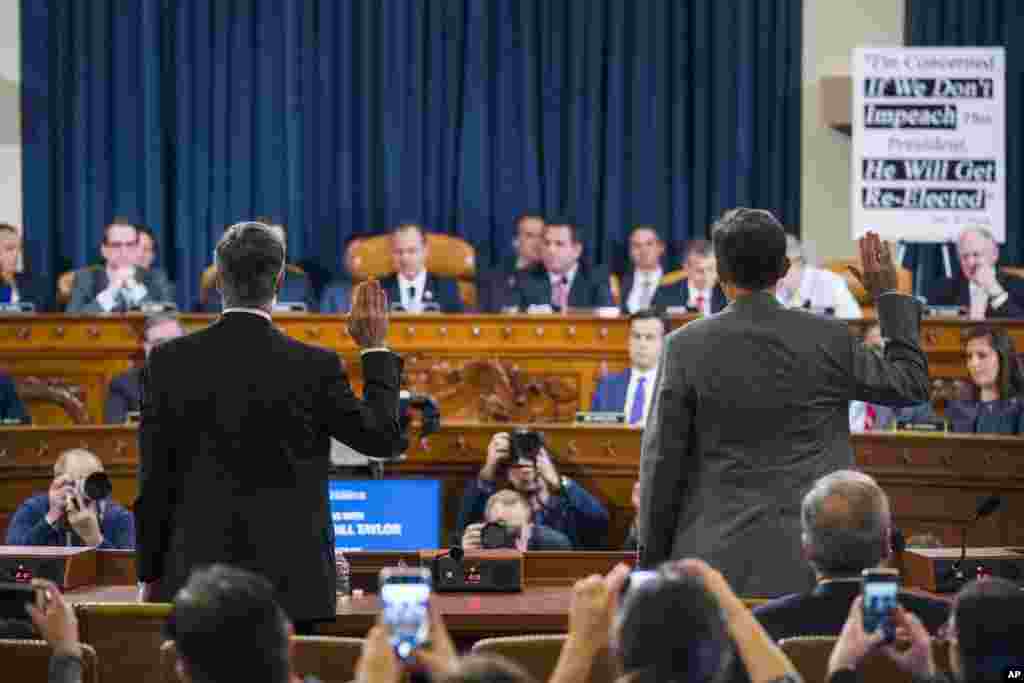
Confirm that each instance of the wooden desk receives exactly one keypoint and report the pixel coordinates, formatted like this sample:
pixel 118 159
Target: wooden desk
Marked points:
pixel 481 367
pixel 933 481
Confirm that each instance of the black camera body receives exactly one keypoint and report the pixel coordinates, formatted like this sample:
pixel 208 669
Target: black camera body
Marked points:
pixel 525 445
pixel 95 487
pixel 495 535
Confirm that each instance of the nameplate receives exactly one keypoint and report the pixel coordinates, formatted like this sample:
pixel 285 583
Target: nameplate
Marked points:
pixel 601 418
pixel 931 426
pixel 20 307
pixel 292 307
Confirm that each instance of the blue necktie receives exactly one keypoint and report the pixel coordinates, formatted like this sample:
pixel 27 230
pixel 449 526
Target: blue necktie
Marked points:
pixel 636 411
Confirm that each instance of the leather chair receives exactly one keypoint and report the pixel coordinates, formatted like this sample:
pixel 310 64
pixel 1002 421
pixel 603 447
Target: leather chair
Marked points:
pixel 538 655
pixel 208 281
pixel 126 636
pixel 904 279
pixel 29 660
pixel 810 655
pixel 329 659
pixel 669 278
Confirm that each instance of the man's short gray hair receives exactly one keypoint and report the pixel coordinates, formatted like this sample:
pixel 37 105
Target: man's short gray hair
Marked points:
pixel 979 230
pixel 249 257
pixel 845 519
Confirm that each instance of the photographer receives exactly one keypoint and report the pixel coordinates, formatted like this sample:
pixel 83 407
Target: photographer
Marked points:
pixel 77 510
pixel 508 526
pixel 521 462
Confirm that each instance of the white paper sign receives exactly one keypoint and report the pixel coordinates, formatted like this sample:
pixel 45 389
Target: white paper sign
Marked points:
pixel 929 142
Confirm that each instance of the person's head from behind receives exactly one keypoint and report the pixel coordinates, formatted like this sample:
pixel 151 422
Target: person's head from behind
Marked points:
pixel 120 246
pixel 227 626
pixel 529 239
pixel 409 250
pixel 10 248
pixel 509 507
pixel 696 649
pixel 645 248
pixel 275 224
pixel 250 260
pixel 562 247
pixel 701 265
pixel 147 246
pixel 977 249
pixel 986 630
pixel 750 248
pixel 846 524
pixel 647 330
pixel 992 363
pixel 159 329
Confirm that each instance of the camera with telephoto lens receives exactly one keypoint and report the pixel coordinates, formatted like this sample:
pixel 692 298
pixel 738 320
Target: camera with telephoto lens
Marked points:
pixel 495 535
pixel 95 487
pixel 524 447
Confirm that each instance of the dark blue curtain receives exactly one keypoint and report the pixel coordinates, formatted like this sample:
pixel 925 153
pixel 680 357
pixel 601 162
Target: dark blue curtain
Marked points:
pixel 981 23
pixel 346 117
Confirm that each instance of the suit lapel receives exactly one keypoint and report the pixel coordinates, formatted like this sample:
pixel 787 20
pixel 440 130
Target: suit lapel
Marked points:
pixel 624 389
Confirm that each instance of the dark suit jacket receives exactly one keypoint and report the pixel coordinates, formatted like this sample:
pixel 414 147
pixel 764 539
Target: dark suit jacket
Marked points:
pixel 30 290
pixel 823 611
pixel 610 394
pixel 956 291
pixel 11 407
pixel 296 288
pixel 752 407
pixel 590 288
pixel 234 456
pixel 498 289
pixel 122 397
pixel 679 295
pixel 443 290
pixel 337 297
pixel 90 282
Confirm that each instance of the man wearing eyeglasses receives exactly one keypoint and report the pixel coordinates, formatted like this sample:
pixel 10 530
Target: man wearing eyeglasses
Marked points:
pixel 122 285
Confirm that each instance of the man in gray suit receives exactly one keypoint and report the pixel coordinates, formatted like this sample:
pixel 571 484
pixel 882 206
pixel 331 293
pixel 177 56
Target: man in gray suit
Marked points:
pixel 752 407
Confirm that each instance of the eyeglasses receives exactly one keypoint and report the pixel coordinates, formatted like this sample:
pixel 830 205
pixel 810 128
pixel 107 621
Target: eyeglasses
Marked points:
pixel 121 245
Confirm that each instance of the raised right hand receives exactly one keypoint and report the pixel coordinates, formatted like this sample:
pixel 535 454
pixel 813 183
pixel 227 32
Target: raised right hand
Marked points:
pixel 879 272
pixel 368 320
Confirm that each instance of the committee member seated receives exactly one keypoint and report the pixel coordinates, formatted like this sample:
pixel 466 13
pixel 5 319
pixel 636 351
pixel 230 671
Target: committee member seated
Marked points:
pixel 411 288
pixel 510 508
pixel 561 281
pixel 979 288
pixel 868 417
pixel 805 286
pixel 337 295
pixel 557 501
pixel 12 410
pixel 17 287
pixel 121 285
pixel 124 392
pixel 993 402
pixel 630 392
pixel 847 528
pixel 984 633
pixel 295 287
pixel 497 288
pixel 641 281
pixel 65 516
pixel 699 291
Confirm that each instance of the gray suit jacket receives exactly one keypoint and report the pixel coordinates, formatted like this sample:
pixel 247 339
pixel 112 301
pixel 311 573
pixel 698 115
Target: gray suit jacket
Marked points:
pixel 752 406
pixel 89 282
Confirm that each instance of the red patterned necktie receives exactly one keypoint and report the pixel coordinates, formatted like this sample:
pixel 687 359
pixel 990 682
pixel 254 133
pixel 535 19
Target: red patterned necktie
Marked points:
pixel 700 303
pixel 870 418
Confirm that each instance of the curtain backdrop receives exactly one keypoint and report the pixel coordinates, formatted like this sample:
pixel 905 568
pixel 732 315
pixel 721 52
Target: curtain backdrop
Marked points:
pixel 345 118
pixel 977 23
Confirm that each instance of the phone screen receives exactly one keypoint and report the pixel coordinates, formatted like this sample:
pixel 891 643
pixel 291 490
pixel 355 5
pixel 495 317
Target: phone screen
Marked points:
pixel 880 597
pixel 405 601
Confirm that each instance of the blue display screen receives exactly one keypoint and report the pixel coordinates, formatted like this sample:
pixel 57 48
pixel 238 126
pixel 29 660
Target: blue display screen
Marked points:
pixel 385 514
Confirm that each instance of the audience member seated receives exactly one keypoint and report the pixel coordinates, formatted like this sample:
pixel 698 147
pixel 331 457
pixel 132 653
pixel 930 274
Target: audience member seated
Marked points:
pixel 867 417
pixel 847 527
pixel 124 392
pixel 633 534
pixel 686 624
pixel 557 502
pixel 510 508
pixel 17 287
pixel 699 291
pixel 985 632
pixel 121 285
pixel 497 288
pixel 411 288
pixel 641 281
pixel 805 286
pixel 630 392
pixel 561 281
pixel 12 410
pixel 295 289
pixel 979 288
pixel 65 516
pixel 337 295
pixel 994 404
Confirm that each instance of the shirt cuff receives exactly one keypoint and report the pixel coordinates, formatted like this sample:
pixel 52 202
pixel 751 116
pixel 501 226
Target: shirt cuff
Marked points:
pixel 137 292
pixel 363 352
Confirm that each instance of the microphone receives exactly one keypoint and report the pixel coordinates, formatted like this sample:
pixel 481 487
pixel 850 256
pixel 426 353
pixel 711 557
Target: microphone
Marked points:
pixel 956 576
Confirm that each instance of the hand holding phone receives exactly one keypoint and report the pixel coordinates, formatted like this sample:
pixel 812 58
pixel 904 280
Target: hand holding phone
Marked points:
pixel 405 598
pixel 880 596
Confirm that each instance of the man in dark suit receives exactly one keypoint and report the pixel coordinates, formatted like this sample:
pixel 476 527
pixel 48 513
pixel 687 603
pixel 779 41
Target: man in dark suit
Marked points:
pixel 121 285
pixel 981 290
pixel 18 287
pixel 699 291
pixel 560 281
pixel 630 392
pixel 235 436
pixel 411 288
pixel 497 288
pixel 124 391
pixel 640 283
pixel 752 407
pixel 847 528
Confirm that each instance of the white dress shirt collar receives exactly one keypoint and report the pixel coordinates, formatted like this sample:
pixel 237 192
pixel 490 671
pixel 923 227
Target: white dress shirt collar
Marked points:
pixel 635 301
pixel 418 283
pixel 570 276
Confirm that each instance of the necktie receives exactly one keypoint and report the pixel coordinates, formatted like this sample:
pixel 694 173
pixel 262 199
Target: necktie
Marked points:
pixel 560 294
pixel 636 411
pixel 412 297
pixel 700 303
pixel 645 295
pixel 870 418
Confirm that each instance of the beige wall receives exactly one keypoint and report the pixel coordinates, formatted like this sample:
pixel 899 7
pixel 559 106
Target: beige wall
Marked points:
pixel 832 28
pixel 10 113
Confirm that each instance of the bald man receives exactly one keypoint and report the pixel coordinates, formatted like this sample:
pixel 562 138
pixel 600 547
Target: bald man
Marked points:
pixel 65 517
pixel 981 290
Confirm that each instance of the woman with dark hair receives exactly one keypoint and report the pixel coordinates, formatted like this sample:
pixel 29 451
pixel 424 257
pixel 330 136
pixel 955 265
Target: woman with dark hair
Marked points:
pixel 994 400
